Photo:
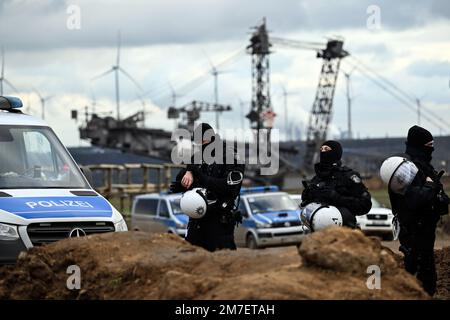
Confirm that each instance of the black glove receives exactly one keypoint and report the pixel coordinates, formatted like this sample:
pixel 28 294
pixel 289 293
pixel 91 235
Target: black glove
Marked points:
pixel 330 195
pixel 323 194
pixel 237 217
pixel 441 203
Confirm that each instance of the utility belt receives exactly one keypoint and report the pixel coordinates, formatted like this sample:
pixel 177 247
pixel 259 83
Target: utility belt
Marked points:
pixel 226 212
pixel 231 217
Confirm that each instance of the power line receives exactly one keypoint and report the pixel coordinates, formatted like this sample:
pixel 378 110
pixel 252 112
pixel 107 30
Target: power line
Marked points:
pixel 407 95
pixel 195 81
pixel 401 99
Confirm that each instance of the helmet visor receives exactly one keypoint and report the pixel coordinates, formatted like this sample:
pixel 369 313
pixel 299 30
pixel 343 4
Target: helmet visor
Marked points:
pixel 308 212
pixel 403 177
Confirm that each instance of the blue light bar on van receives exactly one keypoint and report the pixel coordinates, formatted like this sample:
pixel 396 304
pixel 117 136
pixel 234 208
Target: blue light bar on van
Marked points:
pixel 260 189
pixel 7 103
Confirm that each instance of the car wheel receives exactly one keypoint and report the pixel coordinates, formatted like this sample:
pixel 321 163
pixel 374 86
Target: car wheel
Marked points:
pixel 251 242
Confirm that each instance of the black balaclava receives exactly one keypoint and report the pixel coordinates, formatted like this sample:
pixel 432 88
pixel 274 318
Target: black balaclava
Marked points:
pixel 419 143
pixel 202 127
pixel 332 156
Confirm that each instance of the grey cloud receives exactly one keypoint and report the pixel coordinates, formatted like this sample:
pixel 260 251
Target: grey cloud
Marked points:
pixel 33 25
pixel 427 68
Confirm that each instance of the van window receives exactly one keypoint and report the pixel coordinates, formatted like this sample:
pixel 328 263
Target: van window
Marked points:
pixel 271 203
pixel 175 204
pixel 146 206
pixel 33 157
pixel 163 210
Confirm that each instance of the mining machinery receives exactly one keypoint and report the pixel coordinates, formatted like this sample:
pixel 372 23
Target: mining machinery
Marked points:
pixel 191 112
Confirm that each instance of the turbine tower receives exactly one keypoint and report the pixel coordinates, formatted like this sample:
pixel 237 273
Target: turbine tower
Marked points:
pixel 117 69
pixel 42 100
pixel 215 73
pixel 2 75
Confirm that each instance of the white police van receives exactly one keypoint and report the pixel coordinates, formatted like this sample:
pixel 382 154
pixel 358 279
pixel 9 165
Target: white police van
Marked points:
pixel 270 218
pixel 44 196
pixel 159 212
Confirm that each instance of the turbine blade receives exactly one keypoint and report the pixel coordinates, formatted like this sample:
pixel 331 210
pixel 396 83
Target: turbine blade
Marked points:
pixel 213 67
pixel 118 48
pixel 224 71
pixel 131 78
pixel 11 85
pixel 3 63
pixel 37 92
pixel 94 101
pixel 103 74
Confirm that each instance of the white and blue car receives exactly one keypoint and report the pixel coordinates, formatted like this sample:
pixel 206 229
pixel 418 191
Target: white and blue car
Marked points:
pixel 44 195
pixel 159 213
pixel 270 218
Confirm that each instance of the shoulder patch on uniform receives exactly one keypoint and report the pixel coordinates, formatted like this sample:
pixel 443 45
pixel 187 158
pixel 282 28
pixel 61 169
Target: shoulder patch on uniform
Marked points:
pixel 355 178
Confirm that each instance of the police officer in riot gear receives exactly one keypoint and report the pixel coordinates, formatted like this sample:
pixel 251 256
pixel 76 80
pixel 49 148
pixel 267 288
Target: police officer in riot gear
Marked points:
pixel 337 185
pixel 223 182
pixel 419 209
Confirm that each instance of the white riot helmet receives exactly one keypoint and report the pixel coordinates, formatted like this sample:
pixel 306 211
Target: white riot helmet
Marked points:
pixel 194 203
pixel 317 216
pixel 398 173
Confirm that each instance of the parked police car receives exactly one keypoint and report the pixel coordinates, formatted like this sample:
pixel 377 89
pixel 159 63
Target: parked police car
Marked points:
pixel 270 218
pixel 377 222
pixel 297 198
pixel 159 212
pixel 44 196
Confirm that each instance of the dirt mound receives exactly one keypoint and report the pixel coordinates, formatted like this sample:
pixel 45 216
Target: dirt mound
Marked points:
pixel 136 265
pixel 442 257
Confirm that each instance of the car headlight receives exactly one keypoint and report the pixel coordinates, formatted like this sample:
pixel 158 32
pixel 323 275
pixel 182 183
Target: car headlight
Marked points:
pixel 8 232
pixel 121 226
pixel 181 225
pixel 263 225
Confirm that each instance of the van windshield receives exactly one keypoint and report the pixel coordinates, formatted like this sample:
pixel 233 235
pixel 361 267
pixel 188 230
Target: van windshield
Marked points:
pixel 33 157
pixel 175 204
pixel 271 203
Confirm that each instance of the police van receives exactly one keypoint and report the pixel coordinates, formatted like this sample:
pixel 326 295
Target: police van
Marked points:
pixel 159 212
pixel 270 218
pixel 44 195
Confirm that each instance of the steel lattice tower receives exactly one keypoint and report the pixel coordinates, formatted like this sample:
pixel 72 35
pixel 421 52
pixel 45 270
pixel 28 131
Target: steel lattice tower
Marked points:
pixel 259 49
pixel 321 112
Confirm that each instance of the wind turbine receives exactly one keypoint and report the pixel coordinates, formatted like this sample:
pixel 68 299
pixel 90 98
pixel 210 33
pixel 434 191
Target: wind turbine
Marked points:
pixel 2 75
pixel 285 100
pixel 174 95
pixel 349 98
pixel 42 100
pixel 215 73
pixel 116 69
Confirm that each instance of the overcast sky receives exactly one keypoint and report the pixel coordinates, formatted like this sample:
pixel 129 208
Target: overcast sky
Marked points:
pixel 171 41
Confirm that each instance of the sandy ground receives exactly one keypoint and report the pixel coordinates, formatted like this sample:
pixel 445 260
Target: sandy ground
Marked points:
pixel 331 264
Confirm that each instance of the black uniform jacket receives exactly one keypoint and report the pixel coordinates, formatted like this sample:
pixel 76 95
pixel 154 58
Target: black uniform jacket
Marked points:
pixel 341 187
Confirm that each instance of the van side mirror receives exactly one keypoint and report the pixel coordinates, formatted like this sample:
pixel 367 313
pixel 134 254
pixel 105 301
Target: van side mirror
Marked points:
pixel 88 174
